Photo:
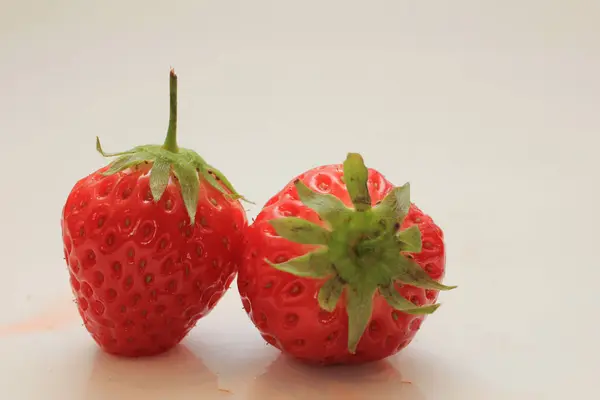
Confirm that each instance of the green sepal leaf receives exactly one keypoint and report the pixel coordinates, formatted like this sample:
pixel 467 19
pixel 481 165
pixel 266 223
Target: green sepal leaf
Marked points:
pixel 159 177
pixel 394 207
pixel 359 309
pixel 194 158
pixel 329 207
pixel 410 239
pixel 299 230
pixel 330 293
pixel 356 176
pixel 127 161
pixel 368 247
pixel 189 184
pixel 409 272
pixel 207 171
pixel 105 154
pixel 315 264
pixel 213 182
pixel 397 302
pixel 223 179
pixel 118 164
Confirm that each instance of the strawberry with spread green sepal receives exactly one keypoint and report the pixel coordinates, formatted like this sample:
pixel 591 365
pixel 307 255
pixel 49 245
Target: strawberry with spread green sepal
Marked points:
pixel 340 267
pixel 152 242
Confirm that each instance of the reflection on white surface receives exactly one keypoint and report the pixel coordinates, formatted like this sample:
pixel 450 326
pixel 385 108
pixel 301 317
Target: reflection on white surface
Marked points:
pixel 287 379
pixel 64 363
pixel 181 374
pixel 176 374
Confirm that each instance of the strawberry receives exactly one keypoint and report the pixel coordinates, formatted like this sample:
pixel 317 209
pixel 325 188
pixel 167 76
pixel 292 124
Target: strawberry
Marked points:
pixel 340 267
pixel 152 242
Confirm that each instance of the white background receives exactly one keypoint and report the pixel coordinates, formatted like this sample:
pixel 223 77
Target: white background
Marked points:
pixel 489 108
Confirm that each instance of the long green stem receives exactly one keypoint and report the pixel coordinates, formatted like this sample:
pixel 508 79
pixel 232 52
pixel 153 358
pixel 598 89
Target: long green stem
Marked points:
pixel 171 139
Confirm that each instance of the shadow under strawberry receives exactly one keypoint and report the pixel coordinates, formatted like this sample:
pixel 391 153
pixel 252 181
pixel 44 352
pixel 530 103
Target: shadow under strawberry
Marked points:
pixel 287 378
pixel 174 375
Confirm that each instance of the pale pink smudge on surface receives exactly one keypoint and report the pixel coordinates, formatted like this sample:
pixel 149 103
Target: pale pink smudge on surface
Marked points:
pixel 58 314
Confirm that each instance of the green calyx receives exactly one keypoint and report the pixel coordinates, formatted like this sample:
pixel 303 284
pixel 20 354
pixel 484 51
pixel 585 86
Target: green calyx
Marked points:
pixel 170 160
pixel 359 251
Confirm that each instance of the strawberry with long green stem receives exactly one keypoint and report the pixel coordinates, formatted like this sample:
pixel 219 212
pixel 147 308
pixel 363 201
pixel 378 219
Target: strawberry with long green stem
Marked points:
pixel 152 241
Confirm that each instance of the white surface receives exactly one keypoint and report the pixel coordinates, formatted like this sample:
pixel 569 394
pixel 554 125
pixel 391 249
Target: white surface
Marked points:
pixel 488 108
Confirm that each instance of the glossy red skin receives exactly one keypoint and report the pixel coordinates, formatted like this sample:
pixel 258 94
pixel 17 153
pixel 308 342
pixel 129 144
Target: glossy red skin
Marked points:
pixel 284 307
pixel 143 276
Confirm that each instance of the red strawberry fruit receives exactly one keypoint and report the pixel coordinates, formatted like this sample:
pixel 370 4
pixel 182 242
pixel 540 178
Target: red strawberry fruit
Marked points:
pixel 152 242
pixel 340 267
